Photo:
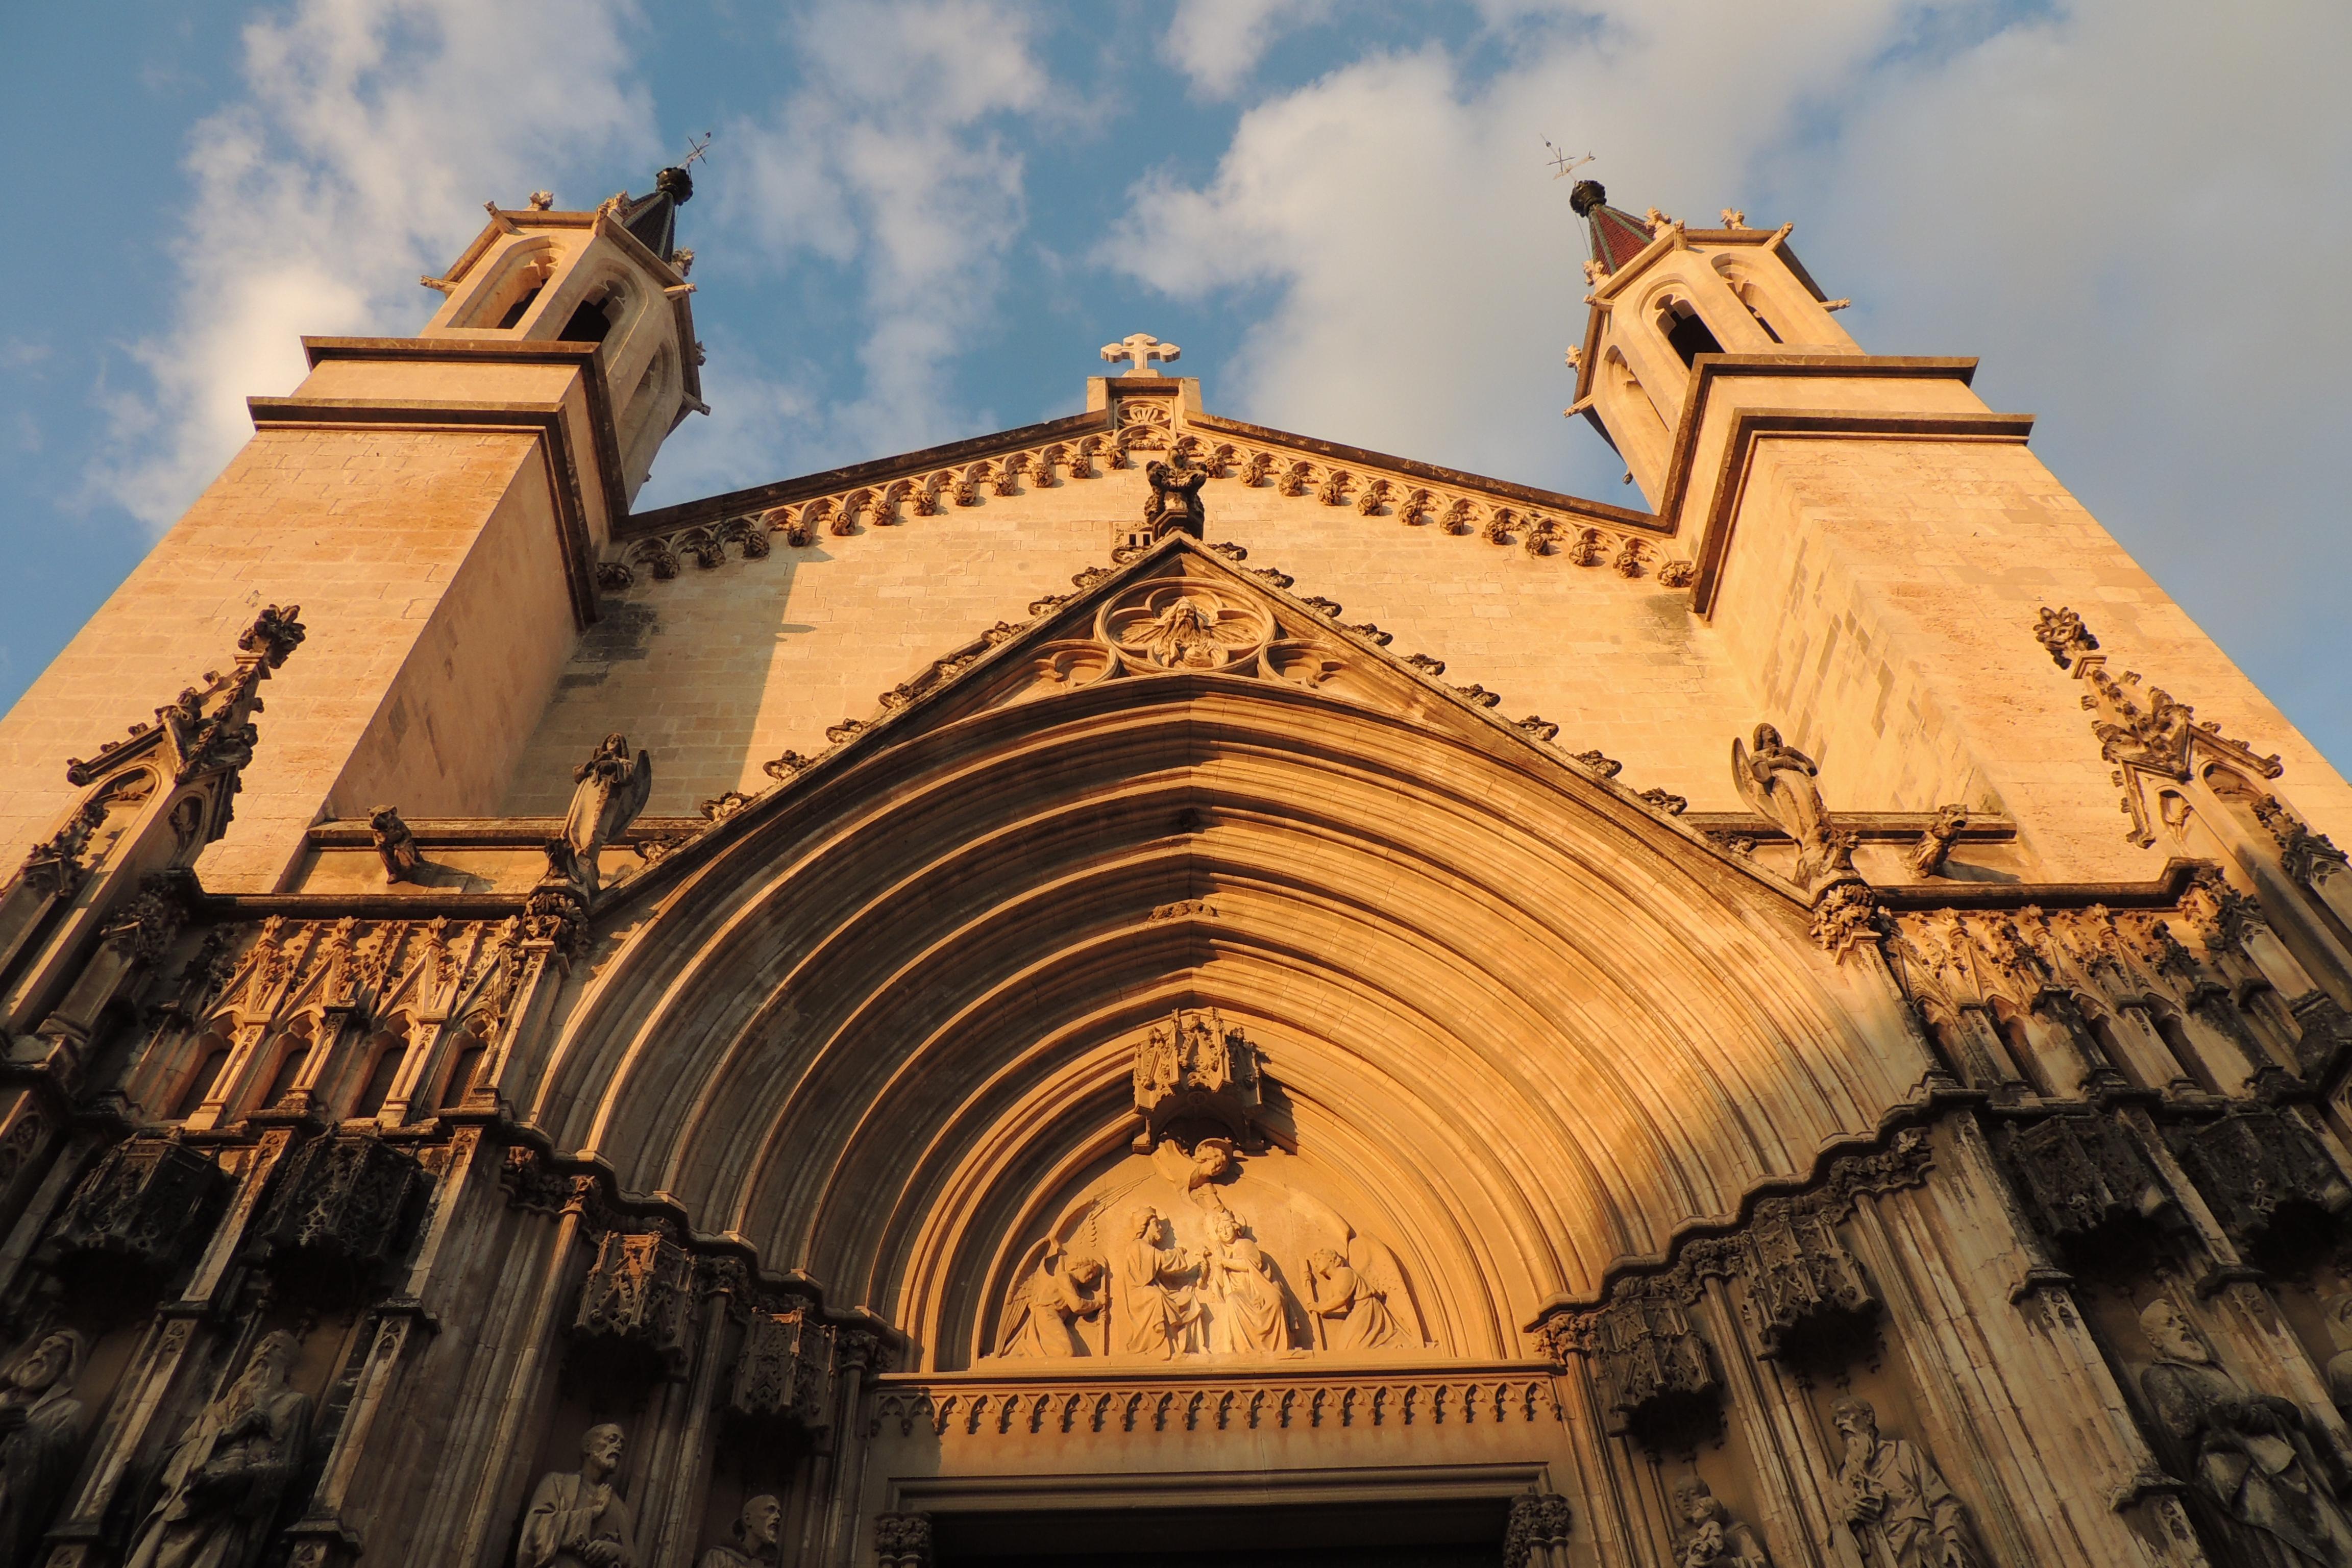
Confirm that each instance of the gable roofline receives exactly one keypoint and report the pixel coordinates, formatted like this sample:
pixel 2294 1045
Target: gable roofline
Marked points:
pixel 881 471
pixel 964 669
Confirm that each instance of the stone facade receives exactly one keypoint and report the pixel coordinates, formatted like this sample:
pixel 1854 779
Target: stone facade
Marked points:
pixel 958 1010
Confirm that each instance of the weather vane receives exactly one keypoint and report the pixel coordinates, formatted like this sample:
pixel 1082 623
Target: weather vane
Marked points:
pixel 702 149
pixel 1562 166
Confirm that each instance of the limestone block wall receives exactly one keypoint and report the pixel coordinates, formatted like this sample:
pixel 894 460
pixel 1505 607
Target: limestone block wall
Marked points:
pixel 1882 596
pixel 367 530
pixel 716 672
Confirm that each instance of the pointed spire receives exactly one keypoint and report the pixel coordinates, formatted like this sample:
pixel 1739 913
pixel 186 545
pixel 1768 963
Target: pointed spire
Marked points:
pixel 1614 237
pixel 654 218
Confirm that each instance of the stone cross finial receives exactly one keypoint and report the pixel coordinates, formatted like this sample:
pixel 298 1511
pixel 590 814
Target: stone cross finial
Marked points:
pixel 1142 348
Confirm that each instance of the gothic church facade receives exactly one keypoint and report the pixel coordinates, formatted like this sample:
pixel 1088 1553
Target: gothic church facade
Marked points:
pixel 1148 988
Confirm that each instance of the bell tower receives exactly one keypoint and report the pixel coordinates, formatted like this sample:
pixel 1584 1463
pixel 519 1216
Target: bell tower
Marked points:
pixel 437 504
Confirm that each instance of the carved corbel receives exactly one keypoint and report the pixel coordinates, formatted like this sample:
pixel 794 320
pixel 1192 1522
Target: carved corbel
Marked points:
pixel 2083 1175
pixel 1801 1281
pixel 639 1291
pixel 1651 1362
pixel 345 1200
pixel 2258 1169
pixel 150 1204
pixel 787 1368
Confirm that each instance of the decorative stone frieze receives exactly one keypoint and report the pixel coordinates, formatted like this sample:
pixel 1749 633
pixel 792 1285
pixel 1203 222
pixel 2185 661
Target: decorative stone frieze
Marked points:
pixel 1113 1404
pixel 343 1199
pixel 149 1203
pixel 639 1291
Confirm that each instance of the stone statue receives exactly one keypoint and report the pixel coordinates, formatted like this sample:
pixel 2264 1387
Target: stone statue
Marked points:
pixel 1711 1537
pixel 578 1520
pixel 755 1536
pixel 1154 1315
pixel 41 1420
pixel 1049 1303
pixel 2251 1453
pixel 1175 504
pixel 609 789
pixel 1351 1311
pixel 1777 780
pixel 394 844
pixel 1926 857
pixel 228 1472
pixel 1894 1499
pixel 1245 1315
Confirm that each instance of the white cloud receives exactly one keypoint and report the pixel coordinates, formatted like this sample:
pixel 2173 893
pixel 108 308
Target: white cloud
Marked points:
pixel 370 133
pixel 1429 272
pixel 1217 43
pixel 893 158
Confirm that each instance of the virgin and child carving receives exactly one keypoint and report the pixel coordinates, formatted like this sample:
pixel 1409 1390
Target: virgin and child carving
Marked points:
pixel 1192 1248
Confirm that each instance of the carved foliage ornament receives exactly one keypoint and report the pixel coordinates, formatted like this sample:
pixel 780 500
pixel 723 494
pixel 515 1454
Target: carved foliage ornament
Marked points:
pixel 1538 1531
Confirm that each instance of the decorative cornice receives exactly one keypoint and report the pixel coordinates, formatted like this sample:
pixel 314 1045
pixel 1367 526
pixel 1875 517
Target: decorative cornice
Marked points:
pixel 1086 1404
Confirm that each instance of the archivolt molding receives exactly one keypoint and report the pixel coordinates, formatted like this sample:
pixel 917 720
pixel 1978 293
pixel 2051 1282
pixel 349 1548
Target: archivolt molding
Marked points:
pixel 883 1010
pixel 1139 426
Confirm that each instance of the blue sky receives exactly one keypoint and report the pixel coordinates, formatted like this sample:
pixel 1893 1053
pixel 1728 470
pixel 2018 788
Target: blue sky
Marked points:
pixel 920 217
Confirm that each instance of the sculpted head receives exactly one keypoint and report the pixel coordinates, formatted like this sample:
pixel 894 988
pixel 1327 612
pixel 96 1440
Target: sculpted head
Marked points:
pixel 2170 1334
pixel 272 1363
pixel 48 1361
pixel 1222 1225
pixel 1859 1421
pixel 1325 1261
pixel 600 1450
pixel 1767 739
pixel 1213 1157
pixel 762 1516
pixel 1695 1502
pixel 1085 1271
pixel 1143 1224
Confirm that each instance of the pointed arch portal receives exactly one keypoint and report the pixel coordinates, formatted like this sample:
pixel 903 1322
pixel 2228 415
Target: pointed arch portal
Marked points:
pixel 1516 1026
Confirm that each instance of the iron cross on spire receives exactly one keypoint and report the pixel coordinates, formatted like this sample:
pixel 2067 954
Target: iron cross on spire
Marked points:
pixel 1142 348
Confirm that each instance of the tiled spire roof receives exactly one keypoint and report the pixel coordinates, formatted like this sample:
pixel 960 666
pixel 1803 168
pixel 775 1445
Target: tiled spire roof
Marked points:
pixel 1615 237
pixel 654 218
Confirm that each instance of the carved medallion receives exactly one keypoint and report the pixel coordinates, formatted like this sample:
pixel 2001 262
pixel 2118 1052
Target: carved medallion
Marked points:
pixel 1184 625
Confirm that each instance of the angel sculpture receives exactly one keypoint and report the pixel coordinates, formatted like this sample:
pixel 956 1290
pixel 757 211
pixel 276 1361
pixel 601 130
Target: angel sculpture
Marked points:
pixel 1777 780
pixel 1046 1306
pixel 610 789
pixel 1174 505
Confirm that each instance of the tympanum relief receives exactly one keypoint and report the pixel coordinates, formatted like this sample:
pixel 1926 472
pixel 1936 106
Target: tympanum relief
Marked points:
pixel 1207 1241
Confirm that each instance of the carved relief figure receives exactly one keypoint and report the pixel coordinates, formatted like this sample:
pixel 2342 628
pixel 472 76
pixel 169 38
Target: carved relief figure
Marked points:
pixel 1894 1499
pixel 1777 781
pixel 2250 1452
pixel 578 1520
pixel 1350 1311
pixel 1936 840
pixel 1245 1315
pixel 755 1536
pixel 1050 1302
pixel 1711 1537
pixel 42 1423
pixel 1188 633
pixel 609 789
pixel 227 1474
pixel 1174 505
pixel 1154 1315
